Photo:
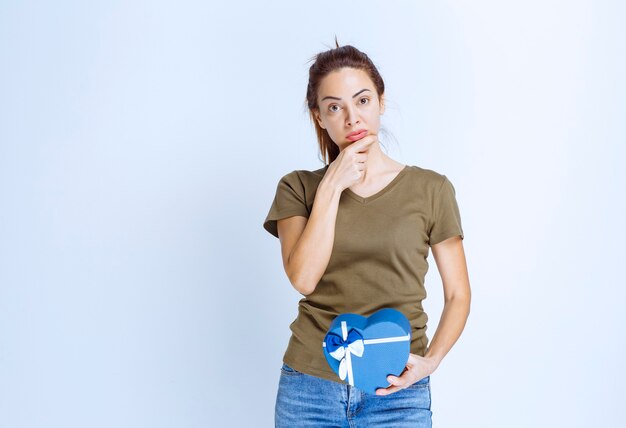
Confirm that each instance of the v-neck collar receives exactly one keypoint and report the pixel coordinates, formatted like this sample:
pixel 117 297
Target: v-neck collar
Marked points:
pixel 381 192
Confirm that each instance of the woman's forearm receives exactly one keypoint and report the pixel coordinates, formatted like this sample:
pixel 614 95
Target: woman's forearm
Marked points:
pixel 309 259
pixel 451 325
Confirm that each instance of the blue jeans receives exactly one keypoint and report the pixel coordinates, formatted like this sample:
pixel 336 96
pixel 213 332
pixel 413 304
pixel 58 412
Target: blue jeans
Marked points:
pixel 309 401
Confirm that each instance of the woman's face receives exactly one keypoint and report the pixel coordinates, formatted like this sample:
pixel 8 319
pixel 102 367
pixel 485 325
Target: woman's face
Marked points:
pixel 348 102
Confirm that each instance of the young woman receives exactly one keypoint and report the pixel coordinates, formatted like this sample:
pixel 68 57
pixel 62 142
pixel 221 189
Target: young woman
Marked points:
pixel 355 237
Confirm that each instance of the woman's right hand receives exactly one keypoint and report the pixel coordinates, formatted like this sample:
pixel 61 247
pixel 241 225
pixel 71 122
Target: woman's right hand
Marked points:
pixel 350 165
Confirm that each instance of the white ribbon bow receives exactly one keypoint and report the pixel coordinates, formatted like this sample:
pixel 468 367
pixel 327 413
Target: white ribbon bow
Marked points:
pixel 344 355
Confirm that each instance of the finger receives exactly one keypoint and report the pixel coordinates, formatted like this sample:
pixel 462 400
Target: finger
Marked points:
pixel 394 380
pixel 387 391
pixel 364 143
pixel 398 381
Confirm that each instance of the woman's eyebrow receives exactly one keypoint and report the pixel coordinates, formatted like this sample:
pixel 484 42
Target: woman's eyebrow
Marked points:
pixel 339 99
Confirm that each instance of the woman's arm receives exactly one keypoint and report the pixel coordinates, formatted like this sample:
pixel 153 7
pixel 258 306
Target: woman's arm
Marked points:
pixel 450 258
pixel 307 244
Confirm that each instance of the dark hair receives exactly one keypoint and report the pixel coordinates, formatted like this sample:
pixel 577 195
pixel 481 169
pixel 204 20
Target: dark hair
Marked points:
pixel 325 63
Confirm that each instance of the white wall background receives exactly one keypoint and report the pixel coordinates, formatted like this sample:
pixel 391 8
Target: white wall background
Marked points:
pixel 140 148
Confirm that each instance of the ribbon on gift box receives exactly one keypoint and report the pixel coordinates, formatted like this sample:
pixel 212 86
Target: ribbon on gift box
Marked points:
pixel 352 343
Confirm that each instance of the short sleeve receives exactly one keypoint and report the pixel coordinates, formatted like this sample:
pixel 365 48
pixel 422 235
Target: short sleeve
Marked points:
pixel 446 221
pixel 288 201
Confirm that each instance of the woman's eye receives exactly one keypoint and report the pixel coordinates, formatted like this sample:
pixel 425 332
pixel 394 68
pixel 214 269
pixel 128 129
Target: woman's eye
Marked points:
pixel 335 105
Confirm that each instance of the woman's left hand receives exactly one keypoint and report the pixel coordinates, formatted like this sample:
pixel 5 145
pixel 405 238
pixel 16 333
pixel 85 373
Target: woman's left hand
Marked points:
pixel 417 368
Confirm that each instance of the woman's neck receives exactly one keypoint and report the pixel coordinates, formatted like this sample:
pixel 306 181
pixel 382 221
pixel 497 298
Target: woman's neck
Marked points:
pixel 377 164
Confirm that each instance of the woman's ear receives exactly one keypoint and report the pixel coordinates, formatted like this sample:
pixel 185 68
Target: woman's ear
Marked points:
pixel 316 114
pixel 382 104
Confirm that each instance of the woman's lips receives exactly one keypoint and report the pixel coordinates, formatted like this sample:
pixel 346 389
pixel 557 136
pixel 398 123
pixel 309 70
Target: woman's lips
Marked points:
pixel 357 136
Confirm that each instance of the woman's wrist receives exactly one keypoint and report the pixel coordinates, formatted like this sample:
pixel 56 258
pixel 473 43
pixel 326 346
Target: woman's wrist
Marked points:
pixel 328 188
pixel 432 361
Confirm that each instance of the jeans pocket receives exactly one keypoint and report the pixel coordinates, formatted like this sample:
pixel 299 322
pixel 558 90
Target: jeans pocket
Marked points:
pixel 285 369
pixel 420 391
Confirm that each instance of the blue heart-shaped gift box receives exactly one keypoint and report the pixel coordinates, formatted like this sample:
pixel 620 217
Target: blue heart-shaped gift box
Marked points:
pixel 363 351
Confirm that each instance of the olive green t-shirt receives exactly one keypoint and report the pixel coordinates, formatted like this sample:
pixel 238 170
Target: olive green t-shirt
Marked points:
pixel 378 258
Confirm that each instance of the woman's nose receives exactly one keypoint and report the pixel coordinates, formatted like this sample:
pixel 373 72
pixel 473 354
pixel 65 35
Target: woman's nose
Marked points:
pixel 352 116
